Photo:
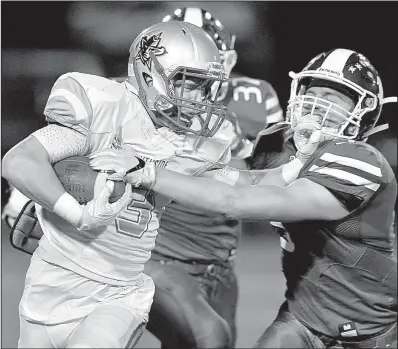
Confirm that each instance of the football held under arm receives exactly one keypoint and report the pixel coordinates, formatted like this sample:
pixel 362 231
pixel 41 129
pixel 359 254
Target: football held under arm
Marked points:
pixel 28 165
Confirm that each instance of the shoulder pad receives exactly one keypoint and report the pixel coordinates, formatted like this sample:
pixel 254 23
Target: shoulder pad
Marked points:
pixel 354 168
pixel 70 103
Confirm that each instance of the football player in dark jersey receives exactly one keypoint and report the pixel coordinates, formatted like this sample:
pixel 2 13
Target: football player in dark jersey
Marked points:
pixel 192 262
pixel 336 210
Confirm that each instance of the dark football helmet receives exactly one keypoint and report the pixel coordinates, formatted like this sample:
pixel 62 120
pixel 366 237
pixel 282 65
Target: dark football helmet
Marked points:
pixel 212 26
pixel 350 73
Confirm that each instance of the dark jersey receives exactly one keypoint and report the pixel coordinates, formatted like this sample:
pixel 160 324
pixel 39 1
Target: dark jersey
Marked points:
pixel 188 234
pixel 345 271
pixel 252 103
pixel 273 147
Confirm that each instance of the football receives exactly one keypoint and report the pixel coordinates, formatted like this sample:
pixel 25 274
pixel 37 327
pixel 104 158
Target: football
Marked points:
pixel 79 179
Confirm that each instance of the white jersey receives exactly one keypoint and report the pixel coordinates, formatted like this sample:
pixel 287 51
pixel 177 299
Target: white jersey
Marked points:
pixel 109 114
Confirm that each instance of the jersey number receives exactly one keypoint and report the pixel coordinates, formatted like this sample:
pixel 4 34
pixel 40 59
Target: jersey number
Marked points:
pixel 135 219
pixel 247 91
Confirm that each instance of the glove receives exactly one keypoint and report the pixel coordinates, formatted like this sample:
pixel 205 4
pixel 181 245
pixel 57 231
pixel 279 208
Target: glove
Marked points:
pixel 99 211
pixel 306 139
pixel 125 165
pixel 95 213
pixel 118 161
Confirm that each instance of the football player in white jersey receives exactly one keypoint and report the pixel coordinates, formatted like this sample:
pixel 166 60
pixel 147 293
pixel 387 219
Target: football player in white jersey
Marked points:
pixel 85 287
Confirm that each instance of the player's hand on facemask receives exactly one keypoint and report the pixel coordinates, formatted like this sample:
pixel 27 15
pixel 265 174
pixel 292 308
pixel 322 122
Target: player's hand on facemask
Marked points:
pixel 306 141
pixel 118 161
pixel 97 212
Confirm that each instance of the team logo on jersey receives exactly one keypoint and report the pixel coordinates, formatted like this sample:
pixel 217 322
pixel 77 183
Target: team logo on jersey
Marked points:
pixel 149 44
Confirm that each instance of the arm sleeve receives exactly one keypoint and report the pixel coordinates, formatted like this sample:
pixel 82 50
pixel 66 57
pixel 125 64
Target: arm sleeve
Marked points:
pixel 61 142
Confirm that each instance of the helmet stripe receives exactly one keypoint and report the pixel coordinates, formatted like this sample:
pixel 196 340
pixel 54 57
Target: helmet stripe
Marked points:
pixel 194 15
pixel 336 60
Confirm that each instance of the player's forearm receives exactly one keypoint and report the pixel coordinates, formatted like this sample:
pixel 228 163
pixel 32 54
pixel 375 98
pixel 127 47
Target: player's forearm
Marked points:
pixel 237 202
pixel 255 177
pixel 280 176
pixel 27 168
pixel 195 192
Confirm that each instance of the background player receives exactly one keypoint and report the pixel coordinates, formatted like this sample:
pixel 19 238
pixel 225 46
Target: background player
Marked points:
pixel 85 286
pixel 338 214
pixel 192 262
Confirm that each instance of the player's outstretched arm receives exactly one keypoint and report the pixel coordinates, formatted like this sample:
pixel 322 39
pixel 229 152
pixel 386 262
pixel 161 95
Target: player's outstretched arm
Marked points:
pixel 280 176
pixel 301 200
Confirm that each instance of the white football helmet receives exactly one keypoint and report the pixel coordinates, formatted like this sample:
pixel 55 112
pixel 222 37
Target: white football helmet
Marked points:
pixel 162 59
pixel 350 73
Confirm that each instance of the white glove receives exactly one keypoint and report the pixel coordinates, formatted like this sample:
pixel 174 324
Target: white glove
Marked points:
pixel 96 212
pixel 117 160
pixel 120 161
pixel 145 176
pixel 306 141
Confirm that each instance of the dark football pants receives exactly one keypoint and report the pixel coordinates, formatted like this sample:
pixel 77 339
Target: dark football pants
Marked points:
pixel 287 332
pixel 194 304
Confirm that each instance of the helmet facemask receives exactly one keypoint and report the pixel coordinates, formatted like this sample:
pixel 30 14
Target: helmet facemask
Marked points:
pixel 333 120
pixel 170 108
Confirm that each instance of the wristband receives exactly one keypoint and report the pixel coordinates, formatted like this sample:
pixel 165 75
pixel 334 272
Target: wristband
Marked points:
pixel 291 170
pixel 69 209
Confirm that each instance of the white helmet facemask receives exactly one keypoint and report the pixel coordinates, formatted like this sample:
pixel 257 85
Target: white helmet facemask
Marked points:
pixel 333 120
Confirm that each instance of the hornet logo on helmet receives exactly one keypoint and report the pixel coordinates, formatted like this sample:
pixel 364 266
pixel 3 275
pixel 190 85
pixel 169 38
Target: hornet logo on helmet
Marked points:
pixel 149 44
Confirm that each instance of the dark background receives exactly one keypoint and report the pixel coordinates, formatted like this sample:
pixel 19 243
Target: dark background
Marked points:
pixel 276 37
pixel 42 40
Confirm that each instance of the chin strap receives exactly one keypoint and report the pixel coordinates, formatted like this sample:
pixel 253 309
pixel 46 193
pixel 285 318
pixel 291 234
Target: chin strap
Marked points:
pixel 374 130
pixel 382 127
pixel 389 100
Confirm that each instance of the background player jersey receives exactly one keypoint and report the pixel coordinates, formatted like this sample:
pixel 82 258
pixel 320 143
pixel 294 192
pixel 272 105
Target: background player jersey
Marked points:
pixel 188 234
pixel 344 271
pixel 252 104
pixel 110 114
